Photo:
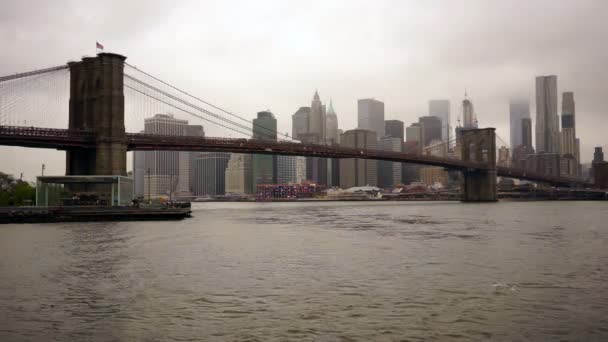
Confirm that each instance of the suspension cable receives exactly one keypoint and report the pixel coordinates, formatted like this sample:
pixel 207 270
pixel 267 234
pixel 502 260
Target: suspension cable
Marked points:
pixel 31 73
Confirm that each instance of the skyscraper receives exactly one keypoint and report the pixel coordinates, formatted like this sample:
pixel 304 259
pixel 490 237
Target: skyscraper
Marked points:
pixel 393 129
pixel 518 110
pixel 358 172
pixel 264 166
pixel 239 174
pixel 526 132
pixel 371 116
pixel 300 122
pixel 430 129
pixel 316 121
pixel 211 168
pixel 162 168
pixel 441 109
pixel 468 113
pixel 547 125
pixel 331 126
pixel 389 173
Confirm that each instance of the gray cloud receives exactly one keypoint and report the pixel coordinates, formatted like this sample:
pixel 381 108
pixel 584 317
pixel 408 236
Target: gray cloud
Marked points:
pixel 249 56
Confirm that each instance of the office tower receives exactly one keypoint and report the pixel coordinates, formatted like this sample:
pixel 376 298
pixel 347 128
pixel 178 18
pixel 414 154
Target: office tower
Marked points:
pixel 358 172
pixel 389 173
pixel 436 148
pixel 287 170
pixel 413 132
pixel 394 129
pixel 162 168
pixel 410 172
pixel 430 129
pixel 518 110
pixel 211 166
pixel 239 174
pixel 598 155
pixel 503 157
pixel 371 116
pixel 441 109
pixel 331 125
pixel 468 113
pixel 139 173
pixel 316 121
pixel 300 122
pixel 547 125
pixel 194 131
pixel 544 163
pixel 526 133
pixel 264 166
pixel 568 147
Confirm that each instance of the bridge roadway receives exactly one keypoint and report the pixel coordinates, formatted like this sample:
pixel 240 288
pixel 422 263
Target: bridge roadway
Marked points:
pixel 64 139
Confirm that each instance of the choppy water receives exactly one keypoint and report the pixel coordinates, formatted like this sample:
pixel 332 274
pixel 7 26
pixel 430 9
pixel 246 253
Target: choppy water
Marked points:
pixel 314 272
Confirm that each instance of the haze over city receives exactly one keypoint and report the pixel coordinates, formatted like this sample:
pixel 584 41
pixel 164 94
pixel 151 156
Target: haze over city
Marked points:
pixel 250 57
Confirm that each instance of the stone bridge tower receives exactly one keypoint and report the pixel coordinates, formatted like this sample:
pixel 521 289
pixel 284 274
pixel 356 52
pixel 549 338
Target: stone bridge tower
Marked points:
pixel 97 105
pixel 479 145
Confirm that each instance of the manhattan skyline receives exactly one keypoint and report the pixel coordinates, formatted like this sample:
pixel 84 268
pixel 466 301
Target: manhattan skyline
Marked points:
pixel 403 63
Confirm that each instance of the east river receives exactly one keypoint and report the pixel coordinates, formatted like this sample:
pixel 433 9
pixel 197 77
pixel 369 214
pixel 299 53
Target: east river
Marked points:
pixel 411 271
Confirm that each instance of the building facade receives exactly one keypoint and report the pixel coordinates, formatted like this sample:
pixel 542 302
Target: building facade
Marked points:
pixel 370 116
pixel 430 129
pixel 239 174
pixel 389 173
pixel 264 165
pixel 358 172
pixel 299 122
pixel 211 168
pixel 547 125
pixel 441 109
pixel 394 129
pixel 518 110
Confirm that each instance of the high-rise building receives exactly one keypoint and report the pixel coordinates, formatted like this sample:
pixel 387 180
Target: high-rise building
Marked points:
pixel 316 121
pixel 518 110
pixel 371 116
pixel 526 133
pixel 331 126
pixel 239 174
pixel 547 125
pixel 389 173
pixel 211 166
pixel 568 146
pixel 598 155
pixel 441 109
pixel 162 168
pixel 264 165
pixel 394 129
pixel 139 173
pixel 412 144
pixel 503 157
pixel 413 132
pixel 468 113
pixel 300 122
pixel 194 131
pixel 358 172
pixel 291 169
pixel 430 129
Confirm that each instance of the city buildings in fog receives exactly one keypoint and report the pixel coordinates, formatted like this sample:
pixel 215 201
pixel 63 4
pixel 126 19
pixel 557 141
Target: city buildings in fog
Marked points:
pixel 299 122
pixel 469 118
pixel 441 109
pixel 291 169
pixel 503 157
pixel 394 129
pixel 210 168
pixel 518 111
pixel 547 124
pixel 370 116
pixel 331 126
pixel 568 143
pixel 264 165
pixel 430 129
pixel 239 174
pixel 389 173
pixel 358 172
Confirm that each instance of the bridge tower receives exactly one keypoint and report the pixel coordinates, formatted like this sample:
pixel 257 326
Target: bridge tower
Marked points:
pixel 97 105
pixel 479 145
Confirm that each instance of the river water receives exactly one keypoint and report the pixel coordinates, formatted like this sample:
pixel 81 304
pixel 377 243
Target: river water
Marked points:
pixel 412 271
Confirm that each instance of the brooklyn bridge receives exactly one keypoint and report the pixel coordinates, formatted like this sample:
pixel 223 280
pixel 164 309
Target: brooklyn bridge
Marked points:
pixel 96 140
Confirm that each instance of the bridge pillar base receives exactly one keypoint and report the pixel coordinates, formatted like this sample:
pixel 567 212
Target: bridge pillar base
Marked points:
pixel 479 186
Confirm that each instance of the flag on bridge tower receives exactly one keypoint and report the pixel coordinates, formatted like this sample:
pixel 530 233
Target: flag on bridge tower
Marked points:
pixel 98 46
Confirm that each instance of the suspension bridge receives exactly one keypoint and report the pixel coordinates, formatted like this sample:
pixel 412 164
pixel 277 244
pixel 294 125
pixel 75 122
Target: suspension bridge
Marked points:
pixel 85 107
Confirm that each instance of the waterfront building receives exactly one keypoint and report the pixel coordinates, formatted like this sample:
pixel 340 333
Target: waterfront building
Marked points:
pixel 431 175
pixel 211 168
pixel 264 165
pixel 358 172
pixel 441 109
pixel 291 169
pixel 547 125
pixel 239 174
pixel 300 122
pixel 518 111
pixel 370 116
pixel 394 129
pixel 389 173
pixel 430 129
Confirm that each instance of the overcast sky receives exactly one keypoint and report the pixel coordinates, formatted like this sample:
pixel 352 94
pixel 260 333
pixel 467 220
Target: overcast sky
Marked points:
pixel 248 56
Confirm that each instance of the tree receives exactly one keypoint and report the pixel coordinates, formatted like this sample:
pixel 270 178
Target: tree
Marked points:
pixel 15 192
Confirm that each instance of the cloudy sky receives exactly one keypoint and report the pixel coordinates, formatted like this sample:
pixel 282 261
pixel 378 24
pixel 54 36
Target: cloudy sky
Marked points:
pixel 248 56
